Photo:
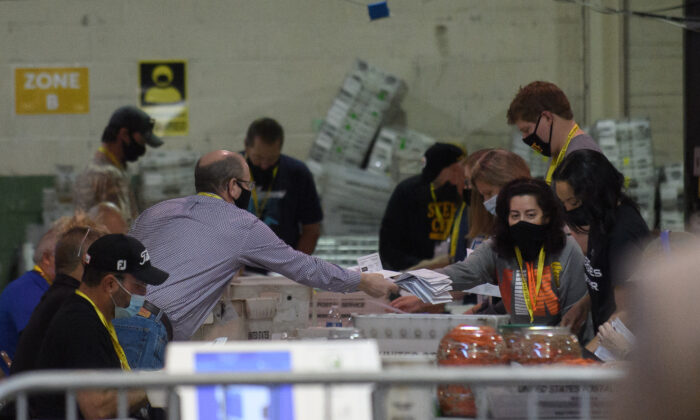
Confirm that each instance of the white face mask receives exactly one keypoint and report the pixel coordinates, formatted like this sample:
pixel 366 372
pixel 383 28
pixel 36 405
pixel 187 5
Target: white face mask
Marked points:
pixel 490 204
pixel 127 292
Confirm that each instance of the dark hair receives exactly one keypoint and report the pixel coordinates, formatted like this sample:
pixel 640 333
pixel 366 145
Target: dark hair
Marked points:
pixel 555 237
pixel 267 129
pixel 536 97
pixel 92 277
pixel 214 177
pixel 597 184
pixel 109 135
pixel 70 243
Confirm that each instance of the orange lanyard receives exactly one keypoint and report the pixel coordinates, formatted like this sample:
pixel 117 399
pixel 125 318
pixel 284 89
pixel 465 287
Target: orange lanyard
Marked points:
pixel 562 154
pixel 112 333
pixel 531 304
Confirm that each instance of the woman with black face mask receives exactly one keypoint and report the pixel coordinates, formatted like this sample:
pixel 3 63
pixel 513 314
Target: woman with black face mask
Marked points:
pixel 607 225
pixel 536 267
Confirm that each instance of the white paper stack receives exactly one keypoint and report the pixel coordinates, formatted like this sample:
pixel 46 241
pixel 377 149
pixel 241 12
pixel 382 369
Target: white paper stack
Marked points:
pixel 429 286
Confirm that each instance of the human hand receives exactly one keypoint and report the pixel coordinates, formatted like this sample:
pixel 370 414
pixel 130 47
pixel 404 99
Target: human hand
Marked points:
pixel 409 304
pixel 376 285
pixel 576 316
pixel 613 341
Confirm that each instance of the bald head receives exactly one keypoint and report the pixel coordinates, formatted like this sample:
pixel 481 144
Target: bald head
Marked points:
pixel 108 214
pixel 215 169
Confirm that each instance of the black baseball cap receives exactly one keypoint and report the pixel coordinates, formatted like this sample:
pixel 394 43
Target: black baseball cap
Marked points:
pixel 438 157
pixel 120 253
pixel 136 120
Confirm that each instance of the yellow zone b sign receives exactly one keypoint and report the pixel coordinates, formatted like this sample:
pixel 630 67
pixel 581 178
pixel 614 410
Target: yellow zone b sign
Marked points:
pixel 52 90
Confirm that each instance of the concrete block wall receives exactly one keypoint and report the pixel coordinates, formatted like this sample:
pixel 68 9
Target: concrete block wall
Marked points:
pixel 655 79
pixel 463 61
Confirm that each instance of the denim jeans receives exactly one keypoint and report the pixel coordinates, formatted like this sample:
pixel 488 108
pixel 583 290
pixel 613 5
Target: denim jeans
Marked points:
pixel 143 341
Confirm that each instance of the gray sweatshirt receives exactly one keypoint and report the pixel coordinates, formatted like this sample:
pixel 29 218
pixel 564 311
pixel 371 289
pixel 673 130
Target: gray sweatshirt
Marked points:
pixel 563 281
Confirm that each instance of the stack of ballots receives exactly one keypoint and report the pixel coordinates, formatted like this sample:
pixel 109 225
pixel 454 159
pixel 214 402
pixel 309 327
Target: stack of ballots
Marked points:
pixel 429 286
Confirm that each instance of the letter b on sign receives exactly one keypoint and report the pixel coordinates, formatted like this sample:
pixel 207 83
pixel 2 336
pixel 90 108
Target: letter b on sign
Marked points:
pixel 51 102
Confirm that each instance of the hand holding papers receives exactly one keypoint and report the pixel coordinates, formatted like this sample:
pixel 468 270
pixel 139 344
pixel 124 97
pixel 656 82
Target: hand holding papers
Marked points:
pixel 429 286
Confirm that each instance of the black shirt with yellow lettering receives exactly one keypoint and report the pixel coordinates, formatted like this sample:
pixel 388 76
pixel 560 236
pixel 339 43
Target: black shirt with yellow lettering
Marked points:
pixel 414 223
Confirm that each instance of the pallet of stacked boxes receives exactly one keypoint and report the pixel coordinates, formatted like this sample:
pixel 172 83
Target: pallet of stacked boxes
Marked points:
pixel 367 98
pixel 672 215
pixel 166 174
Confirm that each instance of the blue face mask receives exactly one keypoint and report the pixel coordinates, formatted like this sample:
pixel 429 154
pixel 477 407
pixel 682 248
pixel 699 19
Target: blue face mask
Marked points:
pixel 490 204
pixel 133 308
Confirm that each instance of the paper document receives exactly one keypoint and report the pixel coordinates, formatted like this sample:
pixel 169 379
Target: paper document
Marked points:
pixel 370 263
pixel 486 289
pixel 429 286
pixel 606 355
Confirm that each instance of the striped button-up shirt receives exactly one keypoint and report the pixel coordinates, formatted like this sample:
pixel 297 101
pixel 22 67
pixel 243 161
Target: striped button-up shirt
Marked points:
pixel 202 241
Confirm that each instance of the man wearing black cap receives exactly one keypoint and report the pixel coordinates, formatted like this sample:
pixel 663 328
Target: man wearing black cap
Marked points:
pixel 105 179
pixel 422 208
pixel 81 335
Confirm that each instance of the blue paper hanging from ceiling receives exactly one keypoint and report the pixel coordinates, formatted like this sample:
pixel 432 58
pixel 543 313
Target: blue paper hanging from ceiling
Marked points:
pixel 378 10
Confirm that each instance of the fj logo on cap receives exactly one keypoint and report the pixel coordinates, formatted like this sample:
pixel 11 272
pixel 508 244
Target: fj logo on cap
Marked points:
pixel 121 265
pixel 144 257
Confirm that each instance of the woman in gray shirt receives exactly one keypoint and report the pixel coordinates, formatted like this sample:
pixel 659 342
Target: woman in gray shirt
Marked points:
pixel 539 271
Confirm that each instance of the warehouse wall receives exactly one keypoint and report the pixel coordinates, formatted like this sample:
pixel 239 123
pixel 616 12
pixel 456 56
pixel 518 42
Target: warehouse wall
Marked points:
pixel 655 79
pixel 462 60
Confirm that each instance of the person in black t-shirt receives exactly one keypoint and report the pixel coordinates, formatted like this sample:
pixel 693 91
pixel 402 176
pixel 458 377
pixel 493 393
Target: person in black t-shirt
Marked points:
pixel 422 208
pixel 284 197
pixel 68 272
pixel 591 190
pixel 81 335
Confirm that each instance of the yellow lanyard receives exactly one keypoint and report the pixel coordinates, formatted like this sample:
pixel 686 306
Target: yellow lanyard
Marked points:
pixel 441 219
pixel 555 162
pixel 112 334
pixel 206 194
pixel 455 232
pixel 531 304
pixel 111 157
pixel 259 210
pixel 42 274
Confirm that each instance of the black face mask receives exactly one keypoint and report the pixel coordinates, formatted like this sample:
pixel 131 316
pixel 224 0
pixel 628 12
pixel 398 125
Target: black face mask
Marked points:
pixel 537 144
pixel 528 238
pixel 133 150
pixel 242 201
pixel 262 177
pixel 447 192
pixel 578 217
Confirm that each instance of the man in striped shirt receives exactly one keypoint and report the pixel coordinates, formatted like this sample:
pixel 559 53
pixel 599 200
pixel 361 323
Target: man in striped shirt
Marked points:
pixel 203 240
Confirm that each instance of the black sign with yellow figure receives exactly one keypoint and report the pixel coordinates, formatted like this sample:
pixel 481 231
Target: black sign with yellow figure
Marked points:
pixel 163 95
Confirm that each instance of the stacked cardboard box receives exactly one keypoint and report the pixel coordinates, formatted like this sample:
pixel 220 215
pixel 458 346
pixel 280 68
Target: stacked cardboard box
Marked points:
pixel 345 249
pixel 367 98
pixel 58 201
pixel 166 174
pixel 353 199
pixel 398 152
pixel 627 144
pixel 671 215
